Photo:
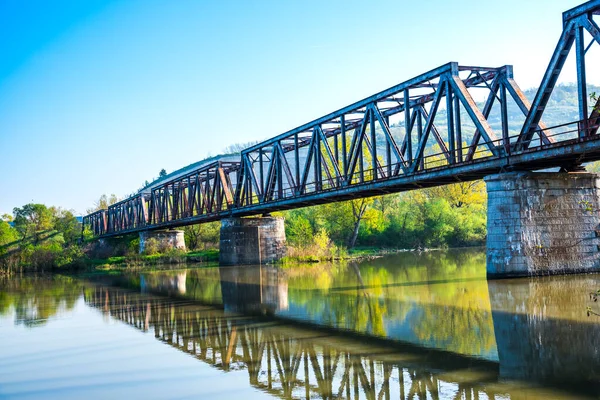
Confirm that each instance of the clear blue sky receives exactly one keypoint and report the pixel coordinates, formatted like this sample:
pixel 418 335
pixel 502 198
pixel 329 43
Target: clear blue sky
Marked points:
pixel 97 96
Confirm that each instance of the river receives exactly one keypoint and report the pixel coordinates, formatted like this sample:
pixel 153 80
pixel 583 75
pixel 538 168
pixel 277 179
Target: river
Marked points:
pixel 404 326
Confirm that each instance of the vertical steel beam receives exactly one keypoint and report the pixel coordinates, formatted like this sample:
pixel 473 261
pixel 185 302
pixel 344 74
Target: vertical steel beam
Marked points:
pixel 458 125
pixel 317 160
pixel 279 170
pixel 581 82
pixel 337 157
pixel 297 162
pixel 421 162
pixel 504 119
pixel 388 151
pixel 373 141
pixel 450 122
pixel 261 172
pixel 336 150
pixel 407 127
pixel 361 166
pixel 344 151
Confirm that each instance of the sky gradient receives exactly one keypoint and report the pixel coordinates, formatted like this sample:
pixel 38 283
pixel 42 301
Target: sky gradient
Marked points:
pixel 97 96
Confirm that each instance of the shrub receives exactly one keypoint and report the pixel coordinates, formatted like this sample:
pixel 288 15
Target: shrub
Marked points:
pixel 151 247
pixel 319 247
pixel 44 256
pixel 72 256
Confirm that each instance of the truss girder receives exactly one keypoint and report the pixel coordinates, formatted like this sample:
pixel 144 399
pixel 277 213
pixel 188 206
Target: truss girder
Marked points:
pixel 429 130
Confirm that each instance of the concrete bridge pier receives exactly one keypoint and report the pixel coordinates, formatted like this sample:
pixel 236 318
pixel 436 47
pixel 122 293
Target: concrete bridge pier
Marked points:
pixel 542 223
pixel 164 240
pixel 247 241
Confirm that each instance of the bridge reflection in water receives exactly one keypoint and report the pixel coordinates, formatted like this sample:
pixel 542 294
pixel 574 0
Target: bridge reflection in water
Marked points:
pixel 522 330
pixel 288 362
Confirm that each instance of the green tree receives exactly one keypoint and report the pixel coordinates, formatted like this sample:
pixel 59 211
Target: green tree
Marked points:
pixel 103 202
pixel 66 223
pixel 298 230
pixel 459 195
pixel 438 222
pixel 359 208
pixel 201 236
pixel 7 234
pixel 31 219
pixel 162 173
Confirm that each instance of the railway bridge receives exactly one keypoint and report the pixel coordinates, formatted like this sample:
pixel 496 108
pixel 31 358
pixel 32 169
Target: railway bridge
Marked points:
pixel 444 126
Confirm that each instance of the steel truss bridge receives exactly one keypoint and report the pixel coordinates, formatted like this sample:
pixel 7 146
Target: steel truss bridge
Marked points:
pixel 427 131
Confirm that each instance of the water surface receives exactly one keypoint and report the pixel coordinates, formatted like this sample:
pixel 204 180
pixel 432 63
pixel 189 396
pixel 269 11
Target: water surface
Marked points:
pixel 404 326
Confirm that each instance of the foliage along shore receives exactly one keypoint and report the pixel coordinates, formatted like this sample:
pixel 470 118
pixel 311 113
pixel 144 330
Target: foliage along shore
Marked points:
pixel 39 238
pixel 211 258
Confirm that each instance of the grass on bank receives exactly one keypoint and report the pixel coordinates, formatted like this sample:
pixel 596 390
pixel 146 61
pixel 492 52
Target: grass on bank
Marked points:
pixel 170 257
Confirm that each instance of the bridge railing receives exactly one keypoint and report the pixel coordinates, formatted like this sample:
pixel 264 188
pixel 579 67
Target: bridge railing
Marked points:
pixel 543 138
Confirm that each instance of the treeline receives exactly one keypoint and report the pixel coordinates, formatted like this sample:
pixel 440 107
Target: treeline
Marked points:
pixel 36 237
pixel 445 216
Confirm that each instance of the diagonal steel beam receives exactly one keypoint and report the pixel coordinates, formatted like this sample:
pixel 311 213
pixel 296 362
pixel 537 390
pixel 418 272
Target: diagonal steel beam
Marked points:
pixel 476 115
pixel 563 47
pixel 429 122
pixel 389 138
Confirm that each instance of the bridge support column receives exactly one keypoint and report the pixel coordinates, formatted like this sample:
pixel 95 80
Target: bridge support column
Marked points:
pixel 542 223
pixel 246 241
pixel 164 240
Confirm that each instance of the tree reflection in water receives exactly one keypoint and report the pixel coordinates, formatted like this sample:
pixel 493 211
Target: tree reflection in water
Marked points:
pixel 36 299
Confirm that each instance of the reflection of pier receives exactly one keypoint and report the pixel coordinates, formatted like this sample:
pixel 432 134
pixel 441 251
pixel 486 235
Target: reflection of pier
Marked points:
pixel 169 284
pixel 254 289
pixel 251 289
pixel 290 362
pixel 543 332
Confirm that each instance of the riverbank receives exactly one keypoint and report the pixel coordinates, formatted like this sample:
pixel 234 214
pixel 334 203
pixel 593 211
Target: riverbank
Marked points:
pixel 176 258
pixel 212 256
pixel 140 261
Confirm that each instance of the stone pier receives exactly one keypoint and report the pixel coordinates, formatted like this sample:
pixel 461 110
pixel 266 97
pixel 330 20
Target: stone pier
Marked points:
pixel 164 240
pixel 246 241
pixel 542 223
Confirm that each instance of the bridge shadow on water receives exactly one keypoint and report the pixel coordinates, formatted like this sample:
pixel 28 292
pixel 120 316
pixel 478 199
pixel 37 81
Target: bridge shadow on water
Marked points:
pixel 453 338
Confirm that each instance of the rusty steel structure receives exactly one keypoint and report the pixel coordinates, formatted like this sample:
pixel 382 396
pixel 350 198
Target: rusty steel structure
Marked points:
pixel 427 131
